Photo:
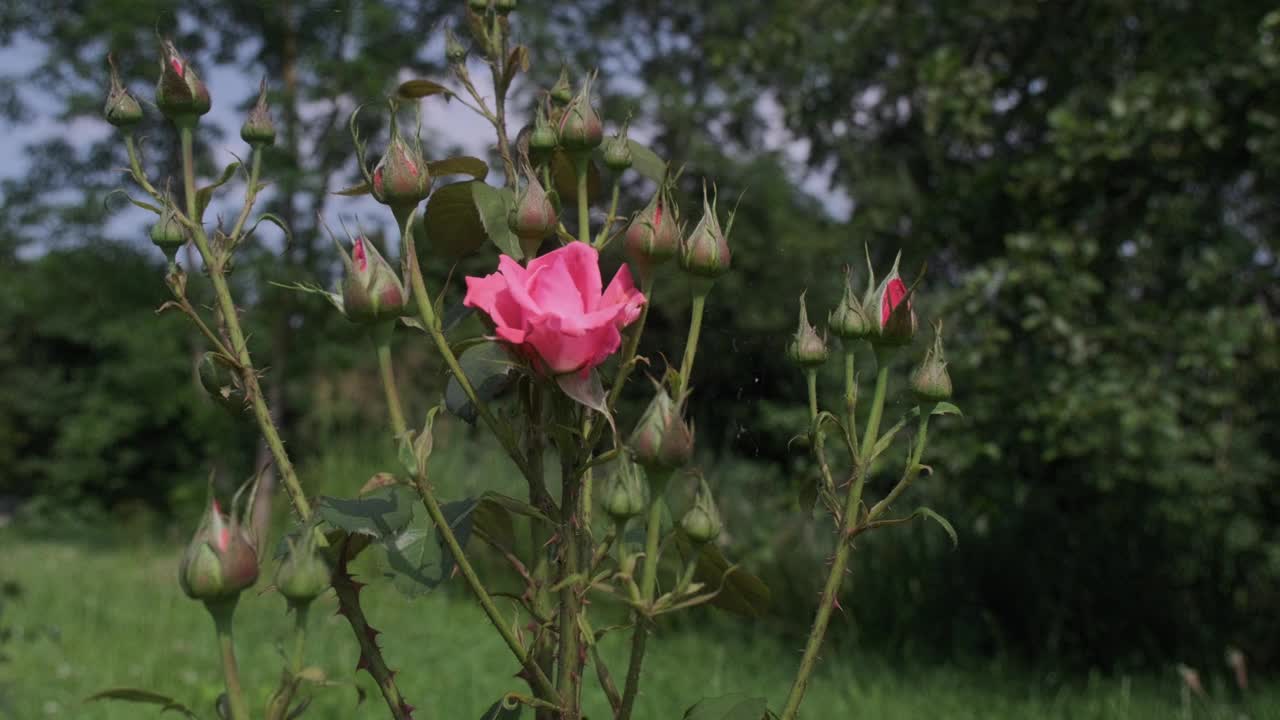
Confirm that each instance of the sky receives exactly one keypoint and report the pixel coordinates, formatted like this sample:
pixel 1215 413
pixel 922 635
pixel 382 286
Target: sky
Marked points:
pixel 452 120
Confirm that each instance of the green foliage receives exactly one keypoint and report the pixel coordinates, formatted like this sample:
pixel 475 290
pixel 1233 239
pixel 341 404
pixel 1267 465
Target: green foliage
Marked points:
pixel 98 401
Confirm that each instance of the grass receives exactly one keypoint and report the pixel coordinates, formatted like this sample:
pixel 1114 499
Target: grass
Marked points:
pixel 90 619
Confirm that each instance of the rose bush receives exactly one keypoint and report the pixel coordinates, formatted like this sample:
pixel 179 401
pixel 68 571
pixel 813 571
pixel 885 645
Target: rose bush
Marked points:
pixel 554 312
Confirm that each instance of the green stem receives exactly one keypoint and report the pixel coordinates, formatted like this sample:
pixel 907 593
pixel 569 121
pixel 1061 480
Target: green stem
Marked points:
pixel 222 612
pixel 913 465
pixel 428 314
pixel 300 612
pixel 695 329
pixel 348 592
pixel 851 401
pixel 648 584
pixel 811 380
pixel 627 362
pixel 382 341
pixel 570 499
pixel 135 168
pixel 611 217
pixel 222 291
pixel 477 587
pixel 582 163
pixel 835 578
pixel 250 194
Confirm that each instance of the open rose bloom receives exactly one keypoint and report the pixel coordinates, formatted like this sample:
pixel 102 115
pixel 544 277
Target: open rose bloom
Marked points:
pixel 555 311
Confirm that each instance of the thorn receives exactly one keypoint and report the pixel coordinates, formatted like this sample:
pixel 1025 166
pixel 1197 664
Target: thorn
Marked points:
pixel 835 603
pixel 406 708
pixel 372 634
pixel 362 663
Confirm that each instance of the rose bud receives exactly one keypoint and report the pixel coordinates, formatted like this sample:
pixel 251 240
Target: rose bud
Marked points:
pixel 624 492
pixel 533 217
pixel 556 310
pixel 662 440
pixel 371 291
pixel 222 381
pixel 122 108
pixel 653 237
pixel 807 349
pixel 617 151
pixel 258 128
pixel 454 51
pixel 562 91
pixel 180 93
pixel 400 177
pixel 849 320
pixel 930 382
pixel 504 7
pixel 705 252
pixel 580 127
pixel 220 561
pixel 542 141
pixel 891 309
pixel 478 6
pixel 701 523
pixel 168 233
pixel 304 573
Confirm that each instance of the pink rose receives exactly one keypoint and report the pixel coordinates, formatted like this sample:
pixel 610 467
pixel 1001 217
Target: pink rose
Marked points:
pixel 554 309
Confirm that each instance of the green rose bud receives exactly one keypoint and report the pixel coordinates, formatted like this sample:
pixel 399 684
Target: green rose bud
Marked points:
pixel 304 573
pixel 624 493
pixel 701 523
pixel 533 217
pixel 401 178
pixel 371 291
pixel 705 252
pixel 807 349
pixel 258 128
pixel 617 151
pixel 122 108
pixel 849 320
pixel 580 127
pixel 168 233
pixel 562 91
pixel 662 440
pixel 930 381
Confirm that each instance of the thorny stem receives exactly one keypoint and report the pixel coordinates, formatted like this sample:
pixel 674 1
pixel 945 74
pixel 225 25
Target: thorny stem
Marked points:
pixel 611 217
pixel 831 590
pixel 500 110
pixel 566 682
pixel 477 587
pixel 428 313
pixel 348 592
pixel 817 437
pixel 222 612
pixel 850 400
pixel 266 425
pixel 216 268
pixel 648 583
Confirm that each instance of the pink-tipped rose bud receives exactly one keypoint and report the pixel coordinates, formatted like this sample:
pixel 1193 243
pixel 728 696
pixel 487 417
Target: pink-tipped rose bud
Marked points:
pixel 371 291
pixel 808 349
pixel 400 177
pixel 220 561
pixel 701 523
pixel 890 307
pixel 168 233
pixel 930 381
pixel 624 493
pixel 533 217
pixel 653 237
pixel 180 93
pixel 662 440
pixel 562 91
pixel 122 108
pixel 705 252
pixel 258 128
pixel 580 127
pixel 617 151
pixel 303 573
pixel 849 320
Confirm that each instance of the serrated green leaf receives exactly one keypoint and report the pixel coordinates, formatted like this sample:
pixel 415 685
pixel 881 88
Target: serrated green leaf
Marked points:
pixel 383 513
pixel 417 559
pixel 146 697
pixel 274 220
pixel 452 223
pixel 933 515
pixel 490 369
pixel 494 205
pixel 647 162
pixel 462 165
pixel 735 706
pixel 886 439
pixel 412 89
pixel 743 593
pixel 205 194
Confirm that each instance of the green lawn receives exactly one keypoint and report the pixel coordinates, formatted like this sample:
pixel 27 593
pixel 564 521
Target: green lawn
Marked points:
pixel 94 619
